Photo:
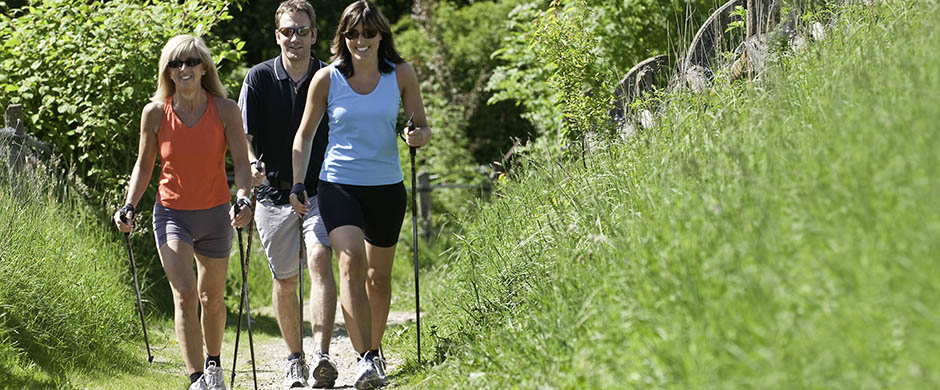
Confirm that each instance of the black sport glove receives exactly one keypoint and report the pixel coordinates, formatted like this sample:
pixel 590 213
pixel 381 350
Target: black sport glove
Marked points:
pixel 242 202
pixel 124 211
pixel 301 191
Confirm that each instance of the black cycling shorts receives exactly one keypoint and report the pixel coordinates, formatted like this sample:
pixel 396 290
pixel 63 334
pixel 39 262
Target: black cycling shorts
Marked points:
pixel 378 210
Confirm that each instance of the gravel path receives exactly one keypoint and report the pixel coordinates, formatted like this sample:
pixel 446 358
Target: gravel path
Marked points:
pixel 271 354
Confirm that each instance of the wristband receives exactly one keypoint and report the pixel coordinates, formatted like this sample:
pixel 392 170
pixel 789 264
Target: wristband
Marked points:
pixel 242 201
pixel 128 208
pixel 301 191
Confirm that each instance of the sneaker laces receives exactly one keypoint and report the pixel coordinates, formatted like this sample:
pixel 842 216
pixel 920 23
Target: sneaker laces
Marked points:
pixel 295 368
pixel 367 376
pixel 379 365
pixel 213 377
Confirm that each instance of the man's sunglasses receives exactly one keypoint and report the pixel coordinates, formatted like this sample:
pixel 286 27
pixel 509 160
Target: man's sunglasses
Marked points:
pixel 288 31
pixel 354 34
pixel 190 62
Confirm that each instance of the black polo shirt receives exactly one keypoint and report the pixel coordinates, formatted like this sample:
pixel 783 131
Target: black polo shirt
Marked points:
pixel 272 106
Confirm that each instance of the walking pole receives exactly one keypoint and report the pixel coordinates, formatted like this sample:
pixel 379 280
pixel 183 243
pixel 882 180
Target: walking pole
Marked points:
pixel 243 260
pixel 140 306
pixel 414 233
pixel 300 274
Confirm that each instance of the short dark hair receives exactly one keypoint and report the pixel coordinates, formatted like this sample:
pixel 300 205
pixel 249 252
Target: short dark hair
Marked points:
pixel 366 13
pixel 295 6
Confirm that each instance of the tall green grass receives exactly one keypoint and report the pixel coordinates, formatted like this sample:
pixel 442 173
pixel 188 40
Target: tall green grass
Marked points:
pixel 66 300
pixel 774 235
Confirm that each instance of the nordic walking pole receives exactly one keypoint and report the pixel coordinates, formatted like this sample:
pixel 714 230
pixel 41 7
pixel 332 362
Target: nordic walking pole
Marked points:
pixel 140 306
pixel 244 266
pixel 300 274
pixel 243 260
pixel 414 233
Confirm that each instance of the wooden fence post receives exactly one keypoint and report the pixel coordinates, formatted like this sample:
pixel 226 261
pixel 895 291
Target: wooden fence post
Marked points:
pixel 13 117
pixel 424 202
pixel 752 25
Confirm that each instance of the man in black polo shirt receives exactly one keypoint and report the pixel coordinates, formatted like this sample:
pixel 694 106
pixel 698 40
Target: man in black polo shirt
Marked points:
pixel 272 103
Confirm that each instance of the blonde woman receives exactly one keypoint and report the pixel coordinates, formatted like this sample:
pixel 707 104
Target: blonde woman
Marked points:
pixel 190 123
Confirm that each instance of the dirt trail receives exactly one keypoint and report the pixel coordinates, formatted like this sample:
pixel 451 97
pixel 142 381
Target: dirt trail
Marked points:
pixel 271 355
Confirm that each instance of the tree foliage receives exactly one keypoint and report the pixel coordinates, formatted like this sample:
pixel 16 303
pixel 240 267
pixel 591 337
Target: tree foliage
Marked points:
pixel 253 22
pixel 558 50
pixel 450 45
pixel 83 71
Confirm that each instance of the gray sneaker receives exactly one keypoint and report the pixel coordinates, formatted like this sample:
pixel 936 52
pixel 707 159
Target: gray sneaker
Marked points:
pixel 380 369
pixel 199 384
pixel 366 377
pixel 324 374
pixel 213 377
pixel 297 373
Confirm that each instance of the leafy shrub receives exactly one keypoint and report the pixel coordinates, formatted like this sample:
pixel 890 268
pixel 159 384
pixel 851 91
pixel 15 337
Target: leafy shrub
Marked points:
pixel 571 53
pixel 557 50
pixel 83 71
pixel 450 47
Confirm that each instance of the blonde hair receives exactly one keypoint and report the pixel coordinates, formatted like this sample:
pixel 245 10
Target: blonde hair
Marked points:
pixel 183 46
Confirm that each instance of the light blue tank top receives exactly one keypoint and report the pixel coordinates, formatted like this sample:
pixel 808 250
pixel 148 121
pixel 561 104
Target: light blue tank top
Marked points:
pixel 363 146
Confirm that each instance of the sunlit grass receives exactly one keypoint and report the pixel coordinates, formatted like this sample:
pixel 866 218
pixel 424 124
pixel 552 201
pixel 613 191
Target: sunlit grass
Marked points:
pixel 775 235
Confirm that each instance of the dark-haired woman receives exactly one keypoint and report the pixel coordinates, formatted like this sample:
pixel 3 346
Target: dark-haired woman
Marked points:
pixel 361 192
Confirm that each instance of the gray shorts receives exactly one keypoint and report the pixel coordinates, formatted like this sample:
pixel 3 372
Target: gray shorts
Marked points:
pixel 278 229
pixel 209 231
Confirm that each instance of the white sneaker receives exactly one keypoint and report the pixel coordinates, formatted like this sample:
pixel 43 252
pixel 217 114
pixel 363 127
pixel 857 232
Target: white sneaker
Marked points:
pixel 199 384
pixel 297 373
pixel 213 377
pixel 380 369
pixel 366 377
pixel 324 374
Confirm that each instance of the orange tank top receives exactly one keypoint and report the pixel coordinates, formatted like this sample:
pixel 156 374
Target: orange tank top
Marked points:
pixel 192 160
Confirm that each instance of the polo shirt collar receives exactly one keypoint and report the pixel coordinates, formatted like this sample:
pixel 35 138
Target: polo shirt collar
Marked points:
pixel 281 73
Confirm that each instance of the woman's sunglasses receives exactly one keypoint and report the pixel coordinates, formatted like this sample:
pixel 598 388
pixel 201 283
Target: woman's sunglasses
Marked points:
pixel 354 34
pixel 190 62
pixel 288 31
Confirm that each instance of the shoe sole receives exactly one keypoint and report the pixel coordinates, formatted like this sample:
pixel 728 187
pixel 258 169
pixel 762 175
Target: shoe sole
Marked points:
pixel 372 382
pixel 324 375
pixel 297 385
pixel 378 382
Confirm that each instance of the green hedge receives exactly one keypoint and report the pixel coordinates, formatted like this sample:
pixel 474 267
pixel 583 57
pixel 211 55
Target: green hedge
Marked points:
pixel 84 70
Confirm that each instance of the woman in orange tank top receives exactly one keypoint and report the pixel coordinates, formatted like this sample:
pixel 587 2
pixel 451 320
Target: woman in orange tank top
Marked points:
pixel 190 123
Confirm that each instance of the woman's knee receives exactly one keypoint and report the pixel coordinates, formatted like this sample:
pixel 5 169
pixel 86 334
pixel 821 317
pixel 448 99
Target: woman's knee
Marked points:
pixel 353 268
pixel 379 278
pixel 186 298
pixel 212 301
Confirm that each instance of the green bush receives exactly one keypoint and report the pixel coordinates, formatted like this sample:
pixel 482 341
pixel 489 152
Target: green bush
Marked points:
pixel 84 70
pixel 557 51
pixel 450 49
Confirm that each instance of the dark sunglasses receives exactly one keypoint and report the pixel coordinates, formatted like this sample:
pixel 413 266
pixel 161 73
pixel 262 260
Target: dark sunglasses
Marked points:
pixel 190 62
pixel 288 31
pixel 354 34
